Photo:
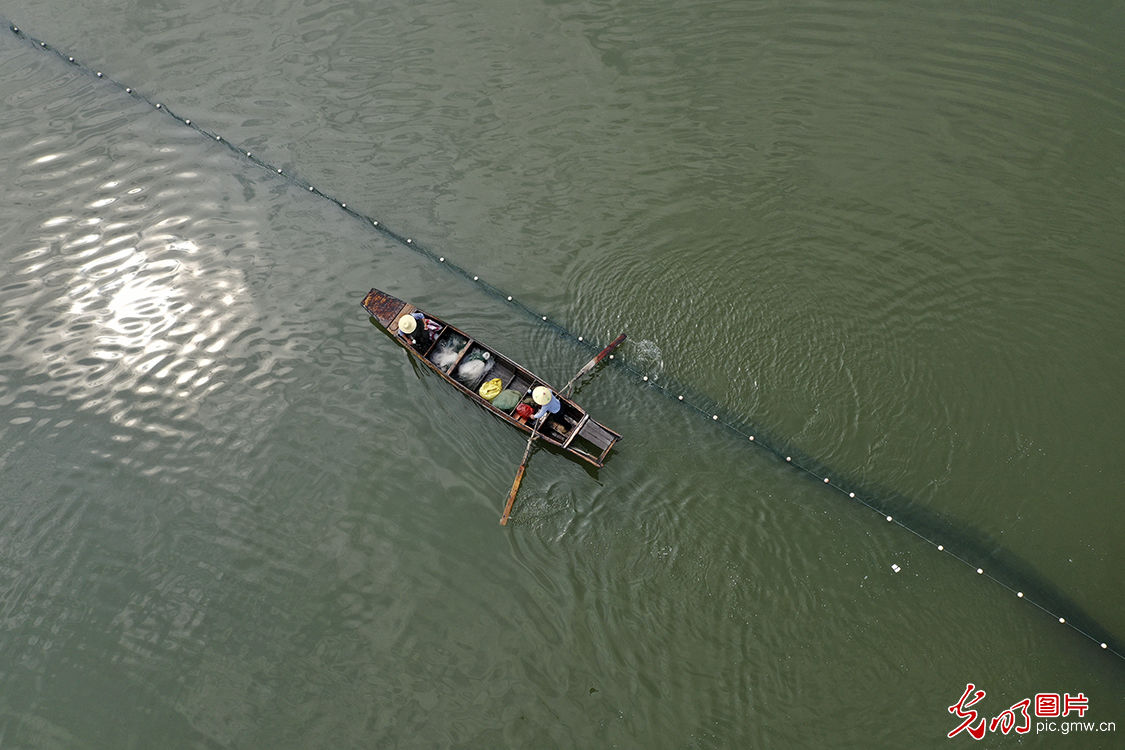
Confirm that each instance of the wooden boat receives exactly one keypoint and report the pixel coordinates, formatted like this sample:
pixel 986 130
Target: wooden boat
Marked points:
pixel 466 364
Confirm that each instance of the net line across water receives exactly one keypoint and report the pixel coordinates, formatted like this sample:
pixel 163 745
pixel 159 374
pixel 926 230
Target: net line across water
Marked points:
pixel 921 526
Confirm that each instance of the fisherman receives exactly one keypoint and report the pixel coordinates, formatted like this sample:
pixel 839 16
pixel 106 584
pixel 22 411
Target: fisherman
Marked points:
pixel 547 401
pixel 408 325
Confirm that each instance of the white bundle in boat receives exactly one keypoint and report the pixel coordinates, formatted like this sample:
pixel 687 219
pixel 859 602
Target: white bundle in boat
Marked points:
pixel 472 370
pixel 445 354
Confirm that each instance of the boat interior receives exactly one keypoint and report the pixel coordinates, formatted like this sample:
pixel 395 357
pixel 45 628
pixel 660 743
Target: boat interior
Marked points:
pixel 471 364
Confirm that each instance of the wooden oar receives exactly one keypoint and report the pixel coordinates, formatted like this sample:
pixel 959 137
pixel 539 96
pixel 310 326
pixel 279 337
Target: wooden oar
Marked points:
pixel 535 429
pixel 519 474
pixel 590 365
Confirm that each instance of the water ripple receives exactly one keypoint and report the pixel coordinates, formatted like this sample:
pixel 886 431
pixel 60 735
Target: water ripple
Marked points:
pixel 233 505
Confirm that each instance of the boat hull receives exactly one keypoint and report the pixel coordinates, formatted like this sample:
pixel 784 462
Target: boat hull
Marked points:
pixel 466 363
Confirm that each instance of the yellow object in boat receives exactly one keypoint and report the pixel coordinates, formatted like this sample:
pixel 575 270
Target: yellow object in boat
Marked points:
pixel 491 389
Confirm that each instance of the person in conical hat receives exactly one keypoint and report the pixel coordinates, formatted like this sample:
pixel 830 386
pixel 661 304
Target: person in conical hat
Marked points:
pixel 407 324
pixel 419 330
pixel 547 401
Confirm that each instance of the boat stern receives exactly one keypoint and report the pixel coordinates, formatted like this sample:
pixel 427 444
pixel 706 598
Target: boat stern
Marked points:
pixel 594 441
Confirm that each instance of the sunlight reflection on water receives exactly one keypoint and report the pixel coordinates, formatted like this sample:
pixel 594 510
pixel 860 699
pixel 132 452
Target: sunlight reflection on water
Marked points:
pixel 121 298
